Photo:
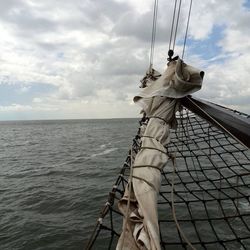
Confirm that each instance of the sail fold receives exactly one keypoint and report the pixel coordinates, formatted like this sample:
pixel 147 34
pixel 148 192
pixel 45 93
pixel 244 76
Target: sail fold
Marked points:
pixel 159 100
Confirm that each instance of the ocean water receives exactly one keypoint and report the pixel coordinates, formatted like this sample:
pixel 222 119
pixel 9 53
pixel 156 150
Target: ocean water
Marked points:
pixel 54 178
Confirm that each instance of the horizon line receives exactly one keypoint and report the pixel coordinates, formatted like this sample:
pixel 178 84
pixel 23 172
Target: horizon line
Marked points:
pixel 65 119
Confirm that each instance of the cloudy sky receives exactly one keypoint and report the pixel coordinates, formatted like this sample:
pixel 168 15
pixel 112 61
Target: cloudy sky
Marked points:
pixel 84 58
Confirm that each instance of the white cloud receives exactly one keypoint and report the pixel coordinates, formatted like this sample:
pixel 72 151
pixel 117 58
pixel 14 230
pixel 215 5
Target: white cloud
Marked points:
pixel 24 108
pixel 95 52
pixel 37 100
pixel 15 107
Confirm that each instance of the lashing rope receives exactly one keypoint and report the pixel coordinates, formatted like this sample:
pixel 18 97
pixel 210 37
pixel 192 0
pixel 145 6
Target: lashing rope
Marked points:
pixel 195 142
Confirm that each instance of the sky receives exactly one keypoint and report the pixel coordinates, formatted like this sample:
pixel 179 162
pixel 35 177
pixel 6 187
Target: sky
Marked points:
pixel 77 59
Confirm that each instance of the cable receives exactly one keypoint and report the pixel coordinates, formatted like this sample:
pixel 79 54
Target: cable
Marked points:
pixel 153 33
pixel 174 29
pixel 185 39
pixel 177 23
pixel 172 25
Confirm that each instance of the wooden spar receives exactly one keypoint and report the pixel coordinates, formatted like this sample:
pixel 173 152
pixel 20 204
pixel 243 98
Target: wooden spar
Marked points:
pixel 221 117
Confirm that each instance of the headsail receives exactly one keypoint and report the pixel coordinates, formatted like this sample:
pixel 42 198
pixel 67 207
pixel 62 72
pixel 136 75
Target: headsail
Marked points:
pixel 207 193
pixel 159 102
pixel 204 200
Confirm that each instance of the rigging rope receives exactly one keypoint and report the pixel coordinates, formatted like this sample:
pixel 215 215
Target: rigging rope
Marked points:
pixel 172 25
pixel 211 168
pixel 177 23
pixel 174 28
pixel 173 206
pixel 153 34
pixel 186 33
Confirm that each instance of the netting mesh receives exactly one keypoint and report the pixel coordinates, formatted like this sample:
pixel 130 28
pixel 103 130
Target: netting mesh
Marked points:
pixel 207 190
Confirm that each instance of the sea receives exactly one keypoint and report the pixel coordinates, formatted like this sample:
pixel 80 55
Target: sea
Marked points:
pixel 54 178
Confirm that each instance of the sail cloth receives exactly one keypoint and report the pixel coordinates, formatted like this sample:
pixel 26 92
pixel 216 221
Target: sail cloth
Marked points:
pixel 159 100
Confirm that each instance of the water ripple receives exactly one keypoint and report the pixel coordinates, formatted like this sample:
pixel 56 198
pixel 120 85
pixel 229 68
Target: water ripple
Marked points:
pixel 54 178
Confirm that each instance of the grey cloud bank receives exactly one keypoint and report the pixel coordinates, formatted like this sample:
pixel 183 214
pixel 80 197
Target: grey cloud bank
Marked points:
pixel 95 52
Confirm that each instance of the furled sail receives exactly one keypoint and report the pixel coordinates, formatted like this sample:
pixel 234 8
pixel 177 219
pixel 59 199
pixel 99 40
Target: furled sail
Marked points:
pixel 159 100
pixel 204 193
pixel 206 197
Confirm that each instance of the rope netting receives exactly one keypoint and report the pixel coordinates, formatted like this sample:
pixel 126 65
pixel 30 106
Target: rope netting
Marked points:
pixel 204 196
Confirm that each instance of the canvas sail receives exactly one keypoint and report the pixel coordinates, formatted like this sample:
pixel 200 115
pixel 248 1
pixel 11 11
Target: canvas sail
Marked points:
pixel 159 100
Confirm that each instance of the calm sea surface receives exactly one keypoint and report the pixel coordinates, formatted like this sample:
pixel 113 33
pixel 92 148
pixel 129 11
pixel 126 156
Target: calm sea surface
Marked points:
pixel 54 178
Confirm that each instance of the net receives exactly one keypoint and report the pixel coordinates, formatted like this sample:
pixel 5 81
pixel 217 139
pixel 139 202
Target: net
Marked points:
pixel 204 199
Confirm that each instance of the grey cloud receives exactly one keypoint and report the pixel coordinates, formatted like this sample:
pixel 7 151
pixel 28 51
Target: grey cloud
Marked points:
pixel 134 24
pixel 237 100
pixel 131 24
pixel 85 15
pixel 32 22
pixel 242 23
pixel 119 61
pixel 122 62
pixel 51 46
pixel 125 56
pixel 20 15
pixel 7 6
pixel 111 9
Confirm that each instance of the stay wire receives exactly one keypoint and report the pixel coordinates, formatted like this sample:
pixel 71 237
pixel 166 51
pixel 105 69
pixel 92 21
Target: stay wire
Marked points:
pixel 153 33
pixel 177 23
pixel 172 25
pixel 186 33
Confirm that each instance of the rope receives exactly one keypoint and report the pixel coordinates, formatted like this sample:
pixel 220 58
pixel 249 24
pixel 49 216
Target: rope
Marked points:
pixel 153 34
pixel 186 33
pixel 173 206
pixel 147 182
pixel 177 24
pixel 108 205
pixel 93 236
pixel 148 166
pixel 172 25
pixel 129 197
pixel 208 163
